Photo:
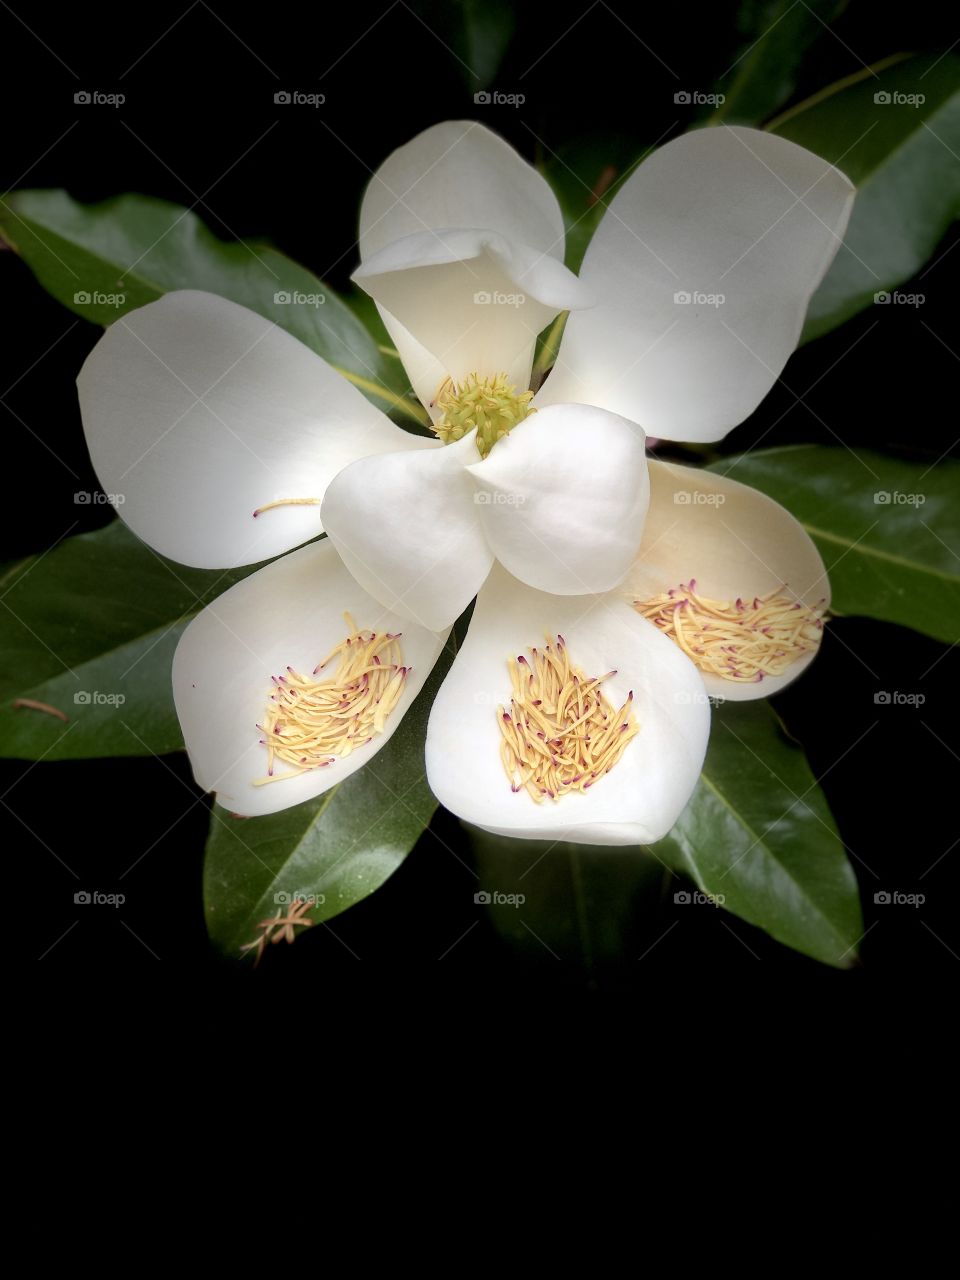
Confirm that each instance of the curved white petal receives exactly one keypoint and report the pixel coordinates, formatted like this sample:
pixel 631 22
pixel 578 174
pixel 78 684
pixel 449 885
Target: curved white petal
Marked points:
pixel 408 529
pixel 736 542
pixel 474 299
pixel 459 174
pixel 563 498
pixel 720 213
pixel 424 370
pixel 639 800
pixel 287 614
pixel 199 412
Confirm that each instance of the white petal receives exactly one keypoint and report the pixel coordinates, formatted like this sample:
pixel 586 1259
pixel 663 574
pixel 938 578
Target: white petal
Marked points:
pixel 639 800
pixel 287 614
pixel 736 542
pixel 474 299
pixel 424 370
pixel 199 412
pixel 563 498
pixel 407 527
pixel 720 212
pixel 459 174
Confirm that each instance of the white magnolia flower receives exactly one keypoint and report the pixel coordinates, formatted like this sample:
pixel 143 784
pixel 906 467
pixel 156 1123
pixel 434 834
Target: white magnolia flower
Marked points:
pixel 233 443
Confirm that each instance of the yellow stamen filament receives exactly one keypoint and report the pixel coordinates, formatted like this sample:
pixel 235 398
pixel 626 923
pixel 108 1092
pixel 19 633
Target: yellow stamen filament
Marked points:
pixel 743 640
pixel 287 502
pixel 560 733
pixel 311 723
pixel 491 405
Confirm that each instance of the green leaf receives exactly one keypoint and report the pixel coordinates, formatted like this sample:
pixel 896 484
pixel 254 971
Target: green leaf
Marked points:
pixel 902 159
pixel 585 176
pixel 92 622
pixel 888 529
pixel 759 838
pixel 103 260
pixel 336 849
pixel 475 32
pixel 775 37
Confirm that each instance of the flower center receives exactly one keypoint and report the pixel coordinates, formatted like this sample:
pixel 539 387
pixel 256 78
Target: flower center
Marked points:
pixel 492 405
pixel 743 641
pixel 560 734
pixel 309 723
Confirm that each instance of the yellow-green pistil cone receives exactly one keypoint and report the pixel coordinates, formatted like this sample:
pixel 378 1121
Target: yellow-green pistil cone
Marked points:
pixel 492 405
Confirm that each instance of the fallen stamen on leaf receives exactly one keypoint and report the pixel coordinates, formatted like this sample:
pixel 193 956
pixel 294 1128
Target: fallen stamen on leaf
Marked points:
pixel 32 705
pixel 311 723
pixel 741 641
pixel 279 928
pixel 560 734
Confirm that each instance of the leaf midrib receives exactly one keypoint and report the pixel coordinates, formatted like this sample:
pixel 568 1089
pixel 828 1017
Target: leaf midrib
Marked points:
pixel 760 842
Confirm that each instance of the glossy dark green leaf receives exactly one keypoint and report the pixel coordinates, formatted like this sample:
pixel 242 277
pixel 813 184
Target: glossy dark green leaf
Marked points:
pixel 105 259
pixel 89 630
pixel 759 838
pixel 585 175
pixel 901 154
pixel 775 36
pixel 888 529
pixel 334 850
pixel 473 36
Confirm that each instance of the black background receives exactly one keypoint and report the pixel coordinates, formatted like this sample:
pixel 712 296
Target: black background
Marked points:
pixel 199 127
